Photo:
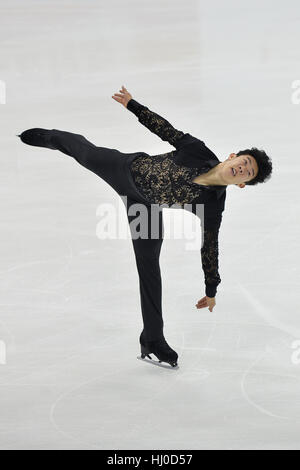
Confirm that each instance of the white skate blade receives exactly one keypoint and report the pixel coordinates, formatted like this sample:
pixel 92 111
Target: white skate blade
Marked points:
pixel 154 362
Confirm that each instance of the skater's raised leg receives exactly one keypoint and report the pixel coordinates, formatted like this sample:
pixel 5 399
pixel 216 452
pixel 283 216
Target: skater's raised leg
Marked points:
pixel 104 162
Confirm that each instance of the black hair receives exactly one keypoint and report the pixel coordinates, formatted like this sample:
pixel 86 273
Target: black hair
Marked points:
pixel 264 164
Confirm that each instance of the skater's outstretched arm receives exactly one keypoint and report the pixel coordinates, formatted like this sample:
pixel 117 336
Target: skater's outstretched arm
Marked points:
pixel 154 122
pixel 210 261
pixel 210 258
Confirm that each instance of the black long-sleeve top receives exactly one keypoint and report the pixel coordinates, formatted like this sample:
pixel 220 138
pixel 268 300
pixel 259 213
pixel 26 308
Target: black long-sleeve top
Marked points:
pixel 167 179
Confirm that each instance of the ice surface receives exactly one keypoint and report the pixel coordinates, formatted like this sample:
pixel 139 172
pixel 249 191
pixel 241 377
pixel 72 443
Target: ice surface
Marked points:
pixel 70 313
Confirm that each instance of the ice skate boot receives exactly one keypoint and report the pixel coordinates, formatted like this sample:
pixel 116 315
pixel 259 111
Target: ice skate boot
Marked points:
pixel 161 350
pixel 37 137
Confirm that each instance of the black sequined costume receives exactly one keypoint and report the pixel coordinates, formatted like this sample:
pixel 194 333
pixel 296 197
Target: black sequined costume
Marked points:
pixel 160 179
pixel 164 179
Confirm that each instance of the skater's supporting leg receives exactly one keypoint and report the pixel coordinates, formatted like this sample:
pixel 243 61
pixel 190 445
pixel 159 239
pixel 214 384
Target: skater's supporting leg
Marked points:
pixel 147 252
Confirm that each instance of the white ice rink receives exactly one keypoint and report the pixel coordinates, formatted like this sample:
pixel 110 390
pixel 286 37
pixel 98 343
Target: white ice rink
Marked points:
pixel 70 308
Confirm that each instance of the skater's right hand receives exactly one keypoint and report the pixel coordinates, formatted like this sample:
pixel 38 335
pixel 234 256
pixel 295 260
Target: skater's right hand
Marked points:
pixel 209 302
pixel 123 97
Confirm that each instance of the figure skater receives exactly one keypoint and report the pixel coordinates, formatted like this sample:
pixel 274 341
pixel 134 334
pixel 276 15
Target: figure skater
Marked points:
pixel 189 176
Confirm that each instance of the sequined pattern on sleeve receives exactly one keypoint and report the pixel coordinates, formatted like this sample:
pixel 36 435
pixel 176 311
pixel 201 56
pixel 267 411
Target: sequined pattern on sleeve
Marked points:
pixel 160 126
pixel 209 255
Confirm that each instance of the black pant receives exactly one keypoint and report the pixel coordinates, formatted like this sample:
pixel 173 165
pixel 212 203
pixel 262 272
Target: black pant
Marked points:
pixel 113 167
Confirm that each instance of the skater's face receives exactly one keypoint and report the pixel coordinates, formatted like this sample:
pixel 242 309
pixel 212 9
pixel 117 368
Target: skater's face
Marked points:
pixel 240 169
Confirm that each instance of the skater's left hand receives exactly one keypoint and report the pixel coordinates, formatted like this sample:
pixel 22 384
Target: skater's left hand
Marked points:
pixel 209 302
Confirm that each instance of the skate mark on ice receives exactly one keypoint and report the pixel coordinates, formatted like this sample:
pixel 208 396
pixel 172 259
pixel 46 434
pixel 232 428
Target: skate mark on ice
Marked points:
pixel 264 312
pixel 64 395
pixel 251 402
